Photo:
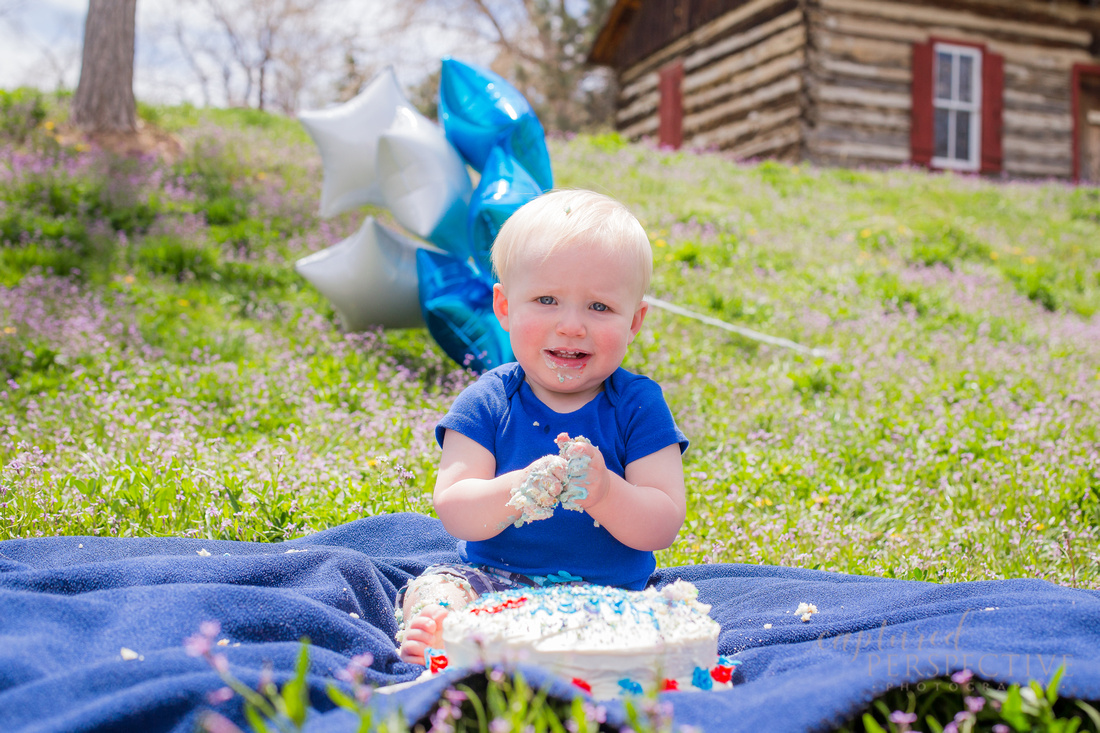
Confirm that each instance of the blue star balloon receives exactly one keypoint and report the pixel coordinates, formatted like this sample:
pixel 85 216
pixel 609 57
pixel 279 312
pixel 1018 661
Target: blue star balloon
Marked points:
pixel 457 304
pixel 480 110
pixel 504 187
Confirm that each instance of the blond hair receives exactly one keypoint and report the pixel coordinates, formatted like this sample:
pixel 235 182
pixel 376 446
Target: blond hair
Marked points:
pixel 564 218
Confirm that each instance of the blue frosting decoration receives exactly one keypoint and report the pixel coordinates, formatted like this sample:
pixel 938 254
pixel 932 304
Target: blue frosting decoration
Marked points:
pixel 505 186
pixel 562 576
pixel 480 110
pixel 701 678
pixel 457 304
pixel 630 686
pixel 727 662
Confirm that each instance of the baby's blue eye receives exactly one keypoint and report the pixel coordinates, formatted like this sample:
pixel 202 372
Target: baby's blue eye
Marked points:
pixel 599 307
pixel 546 300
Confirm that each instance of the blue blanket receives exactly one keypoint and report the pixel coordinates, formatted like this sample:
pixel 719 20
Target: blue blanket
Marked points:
pixel 70 606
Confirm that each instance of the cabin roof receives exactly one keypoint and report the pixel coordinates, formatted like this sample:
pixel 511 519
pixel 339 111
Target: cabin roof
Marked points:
pixel 605 48
pixel 611 34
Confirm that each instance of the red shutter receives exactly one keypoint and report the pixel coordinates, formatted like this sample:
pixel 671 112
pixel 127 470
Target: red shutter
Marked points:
pixel 922 118
pixel 993 86
pixel 670 129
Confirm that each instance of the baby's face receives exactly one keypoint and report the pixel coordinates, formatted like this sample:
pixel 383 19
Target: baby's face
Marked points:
pixel 570 318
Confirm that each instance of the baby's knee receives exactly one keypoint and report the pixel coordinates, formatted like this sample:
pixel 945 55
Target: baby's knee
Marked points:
pixel 438 591
pixel 446 591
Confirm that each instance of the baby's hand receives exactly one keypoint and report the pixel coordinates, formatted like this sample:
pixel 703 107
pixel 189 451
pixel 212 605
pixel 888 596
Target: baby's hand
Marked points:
pixel 537 495
pixel 545 480
pixel 587 479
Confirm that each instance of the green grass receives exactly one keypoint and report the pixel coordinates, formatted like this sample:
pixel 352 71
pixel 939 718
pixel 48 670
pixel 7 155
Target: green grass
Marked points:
pixel 165 371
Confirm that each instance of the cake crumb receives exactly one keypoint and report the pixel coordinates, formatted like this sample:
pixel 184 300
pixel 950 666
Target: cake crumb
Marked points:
pixel 203 552
pixel 805 610
pixel 129 654
pixel 767 626
pixel 680 590
pixel 353 614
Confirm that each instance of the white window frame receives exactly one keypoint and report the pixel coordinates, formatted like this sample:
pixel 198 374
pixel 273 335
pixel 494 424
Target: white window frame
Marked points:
pixel 974 107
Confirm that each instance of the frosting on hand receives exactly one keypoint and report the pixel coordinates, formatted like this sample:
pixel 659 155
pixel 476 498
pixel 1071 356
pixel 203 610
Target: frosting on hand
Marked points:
pixel 573 451
pixel 537 496
pixel 553 480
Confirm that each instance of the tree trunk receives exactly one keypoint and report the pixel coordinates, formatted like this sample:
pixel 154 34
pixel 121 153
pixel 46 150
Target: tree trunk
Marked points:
pixel 104 99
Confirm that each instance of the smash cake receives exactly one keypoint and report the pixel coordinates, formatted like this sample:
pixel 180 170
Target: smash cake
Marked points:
pixel 607 641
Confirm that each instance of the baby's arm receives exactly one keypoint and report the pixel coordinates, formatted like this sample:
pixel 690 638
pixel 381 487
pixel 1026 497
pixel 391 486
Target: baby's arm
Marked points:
pixel 646 509
pixel 471 502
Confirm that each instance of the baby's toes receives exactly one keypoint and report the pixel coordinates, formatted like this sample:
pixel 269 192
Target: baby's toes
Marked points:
pixel 422 628
pixel 412 650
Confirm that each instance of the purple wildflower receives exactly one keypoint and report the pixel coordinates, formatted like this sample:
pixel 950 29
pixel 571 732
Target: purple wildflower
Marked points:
pixel 217 723
pixel 200 644
pixel 453 696
pixel 442 720
pixel 962 677
pixel 197 645
pixel 595 713
pixel 220 695
pixel 900 717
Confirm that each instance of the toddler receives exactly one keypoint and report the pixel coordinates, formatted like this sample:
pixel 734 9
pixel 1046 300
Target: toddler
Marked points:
pixel 531 500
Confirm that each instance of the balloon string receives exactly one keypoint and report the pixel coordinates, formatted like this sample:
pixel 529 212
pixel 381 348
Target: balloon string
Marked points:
pixel 746 332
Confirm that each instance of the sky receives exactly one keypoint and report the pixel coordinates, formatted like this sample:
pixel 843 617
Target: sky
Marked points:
pixel 41 41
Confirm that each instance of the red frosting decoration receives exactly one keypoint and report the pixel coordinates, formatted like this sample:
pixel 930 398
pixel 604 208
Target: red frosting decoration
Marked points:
pixel 670 685
pixel 437 663
pixel 722 673
pixel 510 603
pixel 582 684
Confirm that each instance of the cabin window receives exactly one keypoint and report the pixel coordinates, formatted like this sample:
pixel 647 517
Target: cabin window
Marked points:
pixel 957 106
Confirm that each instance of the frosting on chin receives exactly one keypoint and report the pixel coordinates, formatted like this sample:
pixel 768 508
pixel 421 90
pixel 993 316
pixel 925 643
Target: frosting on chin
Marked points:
pixel 563 370
pixel 607 640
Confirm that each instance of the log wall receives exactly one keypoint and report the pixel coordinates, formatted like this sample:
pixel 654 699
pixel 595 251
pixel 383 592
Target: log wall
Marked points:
pixel 859 76
pixel 742 88
pixel 829 80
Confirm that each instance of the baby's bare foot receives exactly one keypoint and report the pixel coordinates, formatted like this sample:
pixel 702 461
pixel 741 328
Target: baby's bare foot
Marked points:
pixel 424 630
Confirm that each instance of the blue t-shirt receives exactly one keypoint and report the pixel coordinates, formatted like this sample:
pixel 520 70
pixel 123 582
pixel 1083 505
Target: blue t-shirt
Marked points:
pixel 628 420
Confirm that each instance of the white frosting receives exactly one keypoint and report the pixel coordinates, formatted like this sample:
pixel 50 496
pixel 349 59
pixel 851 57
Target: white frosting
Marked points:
pixel 609 638
pixel 576 470
pixel 552 480
pixel 537 495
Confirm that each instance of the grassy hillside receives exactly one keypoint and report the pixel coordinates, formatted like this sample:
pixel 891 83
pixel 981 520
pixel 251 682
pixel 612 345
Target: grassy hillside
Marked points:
pixel 167 372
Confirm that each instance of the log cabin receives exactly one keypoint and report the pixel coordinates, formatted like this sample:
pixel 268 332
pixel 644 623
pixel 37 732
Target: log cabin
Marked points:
pixel 997 87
